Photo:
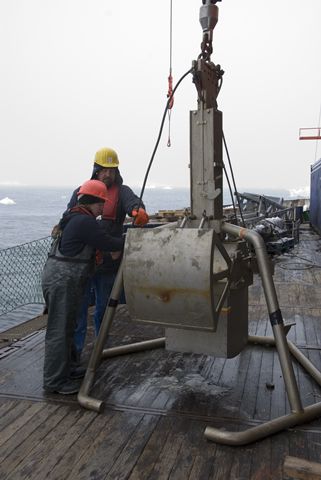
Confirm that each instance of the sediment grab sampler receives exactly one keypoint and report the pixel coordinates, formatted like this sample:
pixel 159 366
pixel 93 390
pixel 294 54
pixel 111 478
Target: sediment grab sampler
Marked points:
pixel 197 284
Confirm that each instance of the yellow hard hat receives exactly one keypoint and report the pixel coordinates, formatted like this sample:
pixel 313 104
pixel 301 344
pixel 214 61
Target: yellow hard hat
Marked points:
pixel 106 158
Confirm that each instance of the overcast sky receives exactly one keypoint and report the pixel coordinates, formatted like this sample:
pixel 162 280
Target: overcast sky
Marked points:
pixel 77 75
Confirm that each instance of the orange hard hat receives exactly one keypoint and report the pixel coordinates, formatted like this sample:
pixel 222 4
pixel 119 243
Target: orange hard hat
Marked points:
pixel 94 188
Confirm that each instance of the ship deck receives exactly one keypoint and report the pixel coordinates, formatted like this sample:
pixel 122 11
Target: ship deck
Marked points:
pixel 158 403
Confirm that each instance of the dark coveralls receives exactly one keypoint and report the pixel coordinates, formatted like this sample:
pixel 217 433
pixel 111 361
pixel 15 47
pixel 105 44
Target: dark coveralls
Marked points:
pixel 104 277
pixel 70 263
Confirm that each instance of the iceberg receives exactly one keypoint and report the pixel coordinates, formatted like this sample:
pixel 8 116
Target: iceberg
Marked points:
pixel 7 201
pixel 300 192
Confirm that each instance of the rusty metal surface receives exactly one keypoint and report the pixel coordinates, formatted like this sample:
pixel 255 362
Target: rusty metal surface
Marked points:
pixel 168 275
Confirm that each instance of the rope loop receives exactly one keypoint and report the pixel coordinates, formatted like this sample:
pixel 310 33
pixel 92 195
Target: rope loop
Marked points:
pixel 170 91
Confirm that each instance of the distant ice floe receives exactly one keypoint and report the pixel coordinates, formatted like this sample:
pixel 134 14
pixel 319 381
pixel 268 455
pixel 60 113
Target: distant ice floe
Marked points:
pixel 11 183
pixel 7 201
pixel 160 187
pixel 303 192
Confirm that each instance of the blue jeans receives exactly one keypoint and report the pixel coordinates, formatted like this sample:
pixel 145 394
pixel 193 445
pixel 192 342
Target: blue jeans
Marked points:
pixel 102 284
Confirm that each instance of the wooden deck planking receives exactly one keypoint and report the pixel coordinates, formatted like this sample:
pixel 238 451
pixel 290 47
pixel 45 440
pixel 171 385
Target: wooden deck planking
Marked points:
pixel 222 462
pixel 134 447
pixel 249 397
pixel 279 450
pixel 76 453
pixel 6 404
pixel 25 433
pixel 279 402
pixel 297 444
pixel 172 450
pixel 152 450
pixel 184 462
pixel 19 421
pixel 17 452
pixel 314 447
pixel 11 415
pixel 38 459
pixel 265 387
pixel 32 343
pixel 81 421
pixel 159 403
pixel 102 454
pixel 241 464
pixel 133 385
pixel 204 463
pixel 165 388
pixel 260 464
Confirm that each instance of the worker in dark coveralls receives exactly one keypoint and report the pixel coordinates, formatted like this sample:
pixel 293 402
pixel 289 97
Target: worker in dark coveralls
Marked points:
pixel 122 202
pixel 70 263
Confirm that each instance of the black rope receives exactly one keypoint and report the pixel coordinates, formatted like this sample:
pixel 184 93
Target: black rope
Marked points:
pixel 170 78
pixel 230 189
pixel 302 266
pixel 160 135
pixel 231 169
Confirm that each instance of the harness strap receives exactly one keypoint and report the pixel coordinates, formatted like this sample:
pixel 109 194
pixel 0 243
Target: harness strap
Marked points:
pixel 110 208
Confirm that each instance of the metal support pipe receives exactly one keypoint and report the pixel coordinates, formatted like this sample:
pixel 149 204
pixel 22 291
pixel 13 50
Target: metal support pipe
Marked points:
pixel 302 359
pixel 134 347
pixel 284 347
pixel 96 355
pixel 267 428
pixel 183 222
pixel 273 308
pixel 287 368
pixel 305 362
pixel 262 259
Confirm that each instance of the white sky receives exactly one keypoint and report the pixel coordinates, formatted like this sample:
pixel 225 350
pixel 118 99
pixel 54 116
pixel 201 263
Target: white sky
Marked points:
pixel 77 75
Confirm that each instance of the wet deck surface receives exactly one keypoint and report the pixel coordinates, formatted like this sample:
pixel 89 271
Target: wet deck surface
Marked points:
pixel 158 403
pixel 21 314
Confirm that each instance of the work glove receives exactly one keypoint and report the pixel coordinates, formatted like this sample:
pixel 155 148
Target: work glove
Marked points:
pixel 56 231
pixel 115 255
pixel 141 217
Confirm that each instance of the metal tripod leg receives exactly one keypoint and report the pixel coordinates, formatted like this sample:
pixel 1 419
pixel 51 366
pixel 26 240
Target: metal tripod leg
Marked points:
pixel 302 359
pixel 134 347
pixel 98 354
pixel 298 415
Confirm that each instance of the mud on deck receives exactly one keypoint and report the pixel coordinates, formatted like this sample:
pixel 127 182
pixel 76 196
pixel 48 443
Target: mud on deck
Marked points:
pixel 158 403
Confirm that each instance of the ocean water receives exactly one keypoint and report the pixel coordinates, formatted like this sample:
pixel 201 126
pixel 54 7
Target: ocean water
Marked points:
pixel 29 213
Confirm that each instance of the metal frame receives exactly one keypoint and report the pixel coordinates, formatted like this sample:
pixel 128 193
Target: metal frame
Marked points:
pixel 284 348
pixel 299 414
pixel 206 203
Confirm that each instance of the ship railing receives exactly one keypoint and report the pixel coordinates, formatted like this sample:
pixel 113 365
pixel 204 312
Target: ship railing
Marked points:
pixel 20 274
